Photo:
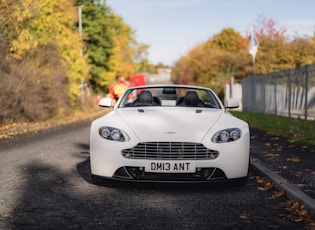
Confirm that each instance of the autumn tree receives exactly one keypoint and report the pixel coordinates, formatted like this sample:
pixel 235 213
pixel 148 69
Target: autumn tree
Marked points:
pixel 33 88
pixel 276 51
pixel 128 55
pixel 110 44
pixel 44 59
pixel 301 52
pixel 228 39
pixel 213 62
pixel 29 25
pixel 268 27
pixel 98 39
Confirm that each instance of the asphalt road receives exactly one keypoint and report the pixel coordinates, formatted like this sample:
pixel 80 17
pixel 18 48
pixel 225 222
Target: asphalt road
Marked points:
pixel 45 184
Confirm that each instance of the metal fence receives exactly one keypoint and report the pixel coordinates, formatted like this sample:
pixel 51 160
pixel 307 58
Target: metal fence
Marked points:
pixel 287 93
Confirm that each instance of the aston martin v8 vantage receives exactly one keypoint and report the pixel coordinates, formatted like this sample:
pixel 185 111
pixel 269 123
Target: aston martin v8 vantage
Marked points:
pixel 169 133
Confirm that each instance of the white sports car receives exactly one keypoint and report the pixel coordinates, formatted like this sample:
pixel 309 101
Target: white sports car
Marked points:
pixel 169 133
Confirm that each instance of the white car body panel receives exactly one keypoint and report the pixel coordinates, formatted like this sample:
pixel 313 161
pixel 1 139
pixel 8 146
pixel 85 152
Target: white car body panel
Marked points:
pixel 169 124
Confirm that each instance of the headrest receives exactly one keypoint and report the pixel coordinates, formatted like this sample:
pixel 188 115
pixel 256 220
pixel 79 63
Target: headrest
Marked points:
pixel 145 97
pixel 191 99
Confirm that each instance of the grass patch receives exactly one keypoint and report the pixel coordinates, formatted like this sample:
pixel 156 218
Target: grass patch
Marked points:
pixel 293 129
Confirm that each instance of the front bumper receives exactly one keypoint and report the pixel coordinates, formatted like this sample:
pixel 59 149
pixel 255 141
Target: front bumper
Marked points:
pixel 139 174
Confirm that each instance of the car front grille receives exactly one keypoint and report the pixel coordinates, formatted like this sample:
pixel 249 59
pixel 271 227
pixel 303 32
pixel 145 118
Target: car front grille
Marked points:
pixel 170 151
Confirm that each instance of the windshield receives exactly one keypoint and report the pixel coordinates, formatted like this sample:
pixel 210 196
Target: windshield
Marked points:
pixel 169 96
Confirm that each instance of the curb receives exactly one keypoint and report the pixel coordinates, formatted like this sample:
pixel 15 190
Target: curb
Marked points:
pixel 281 184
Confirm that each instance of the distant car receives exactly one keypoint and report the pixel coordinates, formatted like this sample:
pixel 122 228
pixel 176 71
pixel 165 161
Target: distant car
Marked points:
pixel 169 133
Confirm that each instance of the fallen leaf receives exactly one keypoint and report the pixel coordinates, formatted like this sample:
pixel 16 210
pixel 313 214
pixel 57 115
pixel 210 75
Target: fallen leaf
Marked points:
pixel 277 195
pixel 271 155
pixel 298 213
pixel 298 174
pixel 262 189
pixel 301 185
pixel 298 219
pixel 296 160
pixel 303 212
pixel 260 180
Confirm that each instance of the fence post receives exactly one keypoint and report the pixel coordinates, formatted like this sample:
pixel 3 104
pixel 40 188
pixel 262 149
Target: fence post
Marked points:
pixel 264 92
pixel 306 91
pixel 255 92
pixel 289 96
pixel 275 92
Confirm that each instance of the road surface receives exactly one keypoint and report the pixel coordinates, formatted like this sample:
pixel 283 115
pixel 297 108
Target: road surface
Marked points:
pixel 45 184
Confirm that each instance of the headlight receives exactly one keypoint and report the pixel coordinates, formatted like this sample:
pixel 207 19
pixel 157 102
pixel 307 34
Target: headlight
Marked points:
pixel 226 135
pixel 113 134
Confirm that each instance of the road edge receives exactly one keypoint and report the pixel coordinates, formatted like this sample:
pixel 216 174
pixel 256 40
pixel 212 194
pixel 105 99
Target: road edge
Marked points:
pixel 281 184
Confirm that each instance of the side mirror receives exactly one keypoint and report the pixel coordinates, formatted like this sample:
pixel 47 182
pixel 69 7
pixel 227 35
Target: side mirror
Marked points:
pixel 232 104
pixel 106 102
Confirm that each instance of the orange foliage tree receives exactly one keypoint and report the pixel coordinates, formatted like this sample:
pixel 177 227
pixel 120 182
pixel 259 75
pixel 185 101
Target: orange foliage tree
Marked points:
pixel 211 63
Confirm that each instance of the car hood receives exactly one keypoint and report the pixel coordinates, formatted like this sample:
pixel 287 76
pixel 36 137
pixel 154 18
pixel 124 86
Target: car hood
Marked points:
pixel 170 124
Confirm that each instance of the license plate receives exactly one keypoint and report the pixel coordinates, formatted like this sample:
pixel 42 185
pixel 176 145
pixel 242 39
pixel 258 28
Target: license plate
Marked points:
pixel 170 167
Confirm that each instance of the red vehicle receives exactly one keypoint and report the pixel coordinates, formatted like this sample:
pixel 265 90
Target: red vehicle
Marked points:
pixel 137 79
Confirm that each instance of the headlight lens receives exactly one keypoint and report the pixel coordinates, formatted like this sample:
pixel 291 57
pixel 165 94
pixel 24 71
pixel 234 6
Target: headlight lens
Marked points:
pixel 113 134
pixel 226 135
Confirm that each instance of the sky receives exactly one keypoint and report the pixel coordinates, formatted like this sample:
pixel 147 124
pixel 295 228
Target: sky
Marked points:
pixel 173 27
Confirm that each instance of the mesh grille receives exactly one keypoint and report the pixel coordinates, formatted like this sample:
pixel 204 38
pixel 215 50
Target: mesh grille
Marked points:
pixel 170 150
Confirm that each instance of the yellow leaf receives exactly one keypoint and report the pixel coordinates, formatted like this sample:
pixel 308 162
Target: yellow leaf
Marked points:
pixel 303 212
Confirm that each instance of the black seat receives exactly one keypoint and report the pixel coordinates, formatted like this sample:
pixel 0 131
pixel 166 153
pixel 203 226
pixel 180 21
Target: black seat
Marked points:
pixel 180 101
pixel 144 99
pixel 191 99
pixel 156 101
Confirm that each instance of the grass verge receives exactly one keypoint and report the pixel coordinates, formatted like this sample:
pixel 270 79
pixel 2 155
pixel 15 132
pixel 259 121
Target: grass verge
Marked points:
pixel 293 129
